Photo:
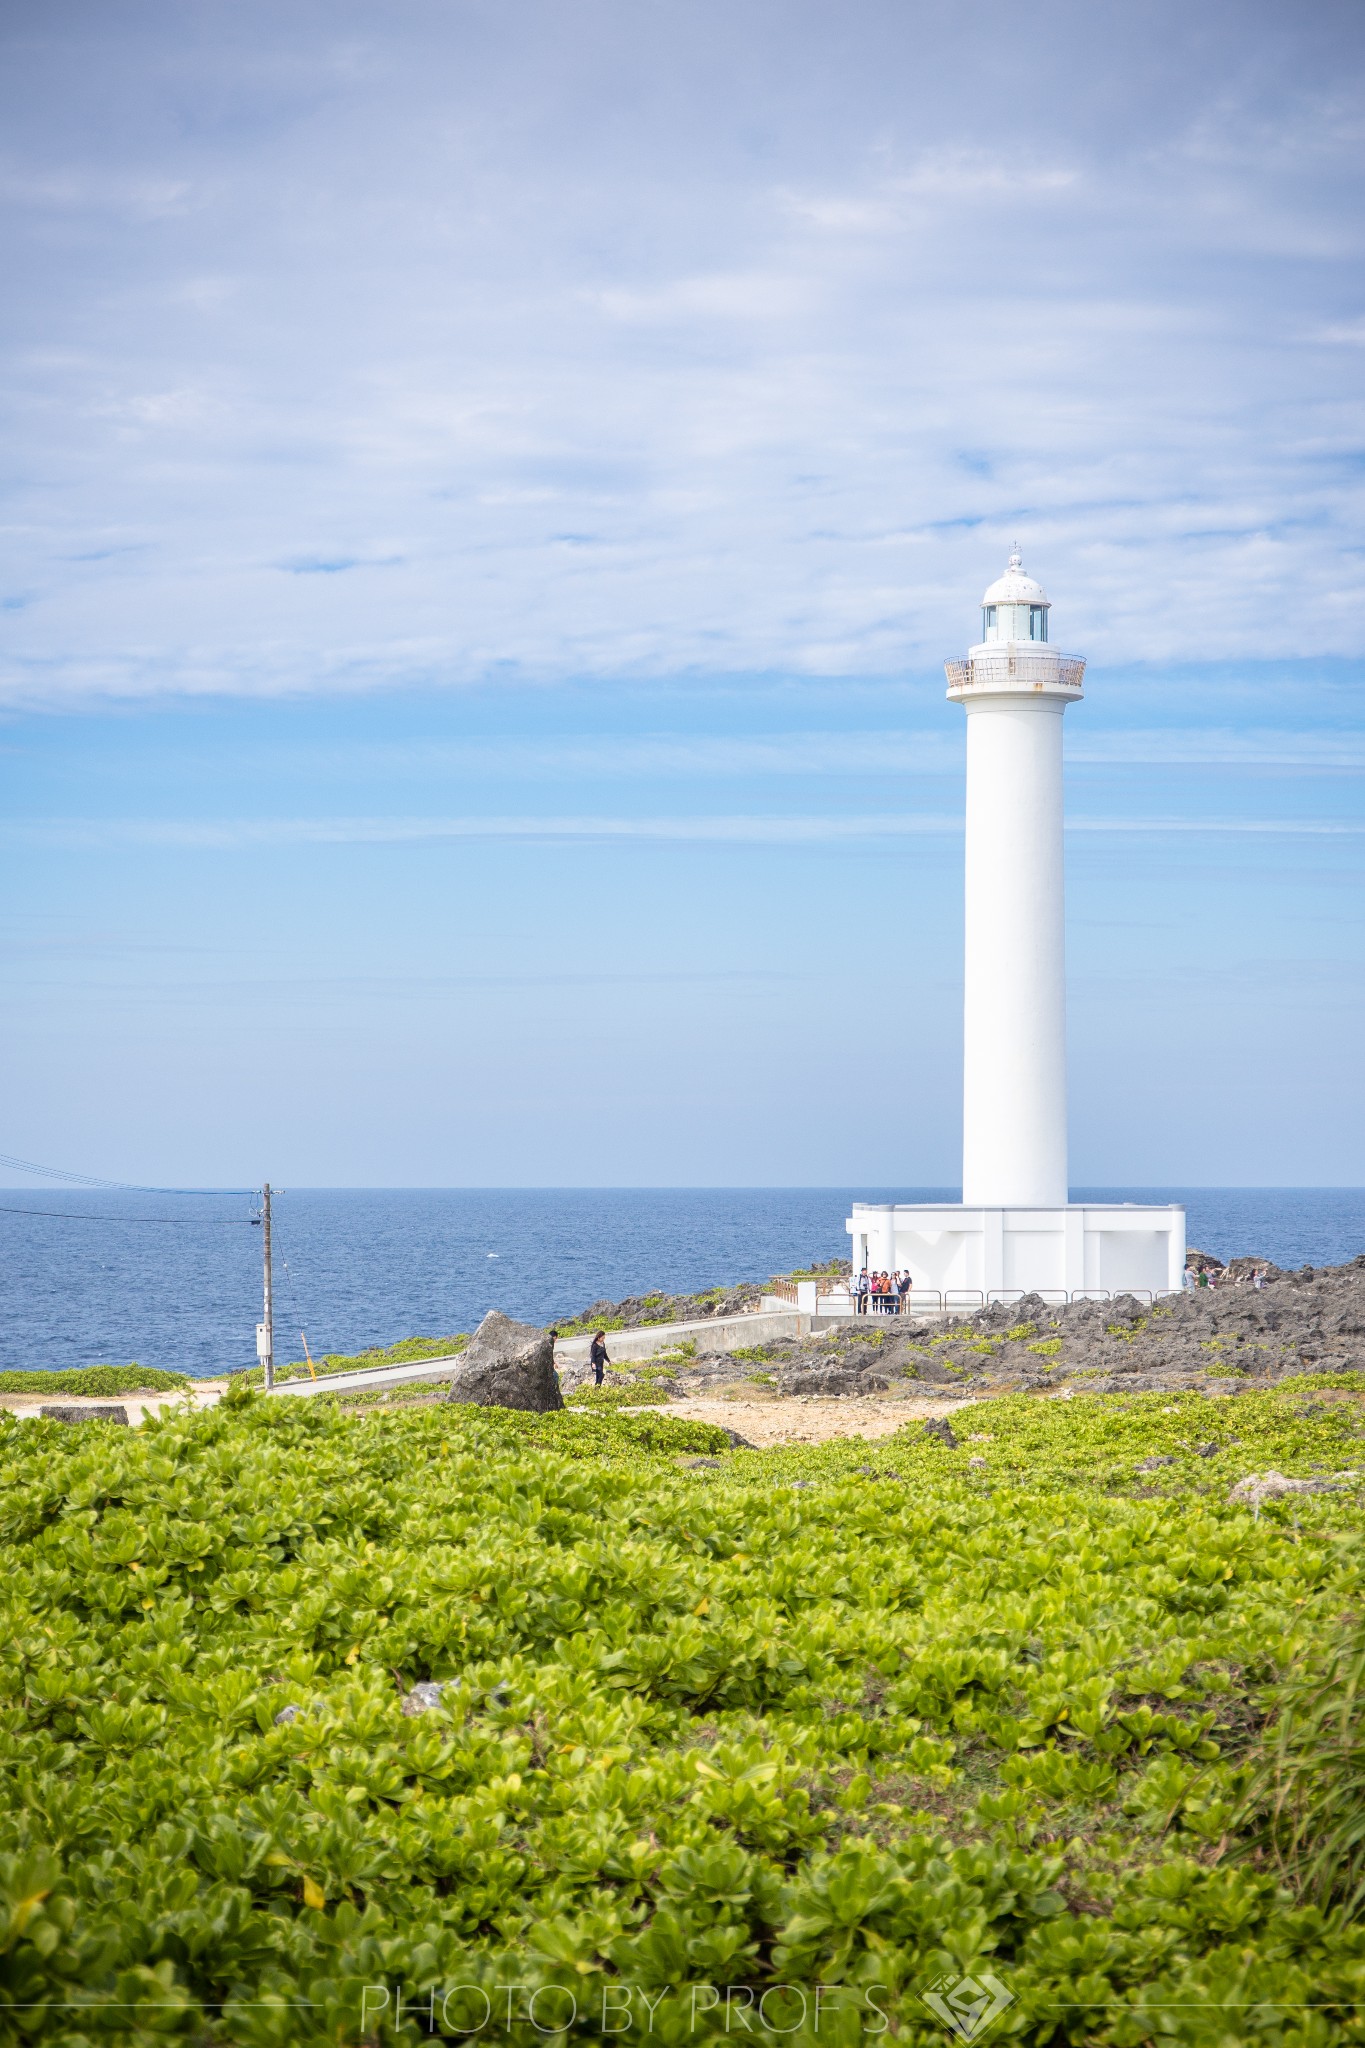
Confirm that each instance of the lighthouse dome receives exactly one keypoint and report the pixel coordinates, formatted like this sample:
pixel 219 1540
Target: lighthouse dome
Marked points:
pixel 1015 607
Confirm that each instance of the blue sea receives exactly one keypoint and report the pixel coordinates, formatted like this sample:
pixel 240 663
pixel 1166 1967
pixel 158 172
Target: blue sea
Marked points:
pixel 174 1280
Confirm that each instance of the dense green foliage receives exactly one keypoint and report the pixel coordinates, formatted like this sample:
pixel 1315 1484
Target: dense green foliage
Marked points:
pixel 98 1381
pixel 855 1716
pixel 1310 1788
pixel 626 1390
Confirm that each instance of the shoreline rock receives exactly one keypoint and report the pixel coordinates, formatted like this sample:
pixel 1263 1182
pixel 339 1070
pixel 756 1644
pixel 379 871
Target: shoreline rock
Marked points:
pixel 507 1365
pixel 1220 1339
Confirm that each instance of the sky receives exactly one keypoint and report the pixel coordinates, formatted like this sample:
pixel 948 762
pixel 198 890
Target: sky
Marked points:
pixel 486 492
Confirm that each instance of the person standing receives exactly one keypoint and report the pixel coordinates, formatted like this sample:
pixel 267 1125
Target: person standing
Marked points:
pixel 597 1357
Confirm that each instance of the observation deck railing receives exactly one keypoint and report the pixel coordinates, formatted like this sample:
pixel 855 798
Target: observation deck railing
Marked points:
pixel 1017 670
pixel 944 1300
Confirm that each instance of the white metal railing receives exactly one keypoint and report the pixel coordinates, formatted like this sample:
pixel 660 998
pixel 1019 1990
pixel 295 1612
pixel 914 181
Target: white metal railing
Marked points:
pixel 948 1299
pixel 970 1298
pixel 1017 671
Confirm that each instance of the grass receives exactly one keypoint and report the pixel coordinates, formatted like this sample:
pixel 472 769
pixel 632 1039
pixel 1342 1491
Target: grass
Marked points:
pixel 1309 1792
pixel 631 1386
pixel 95 1381
pixel 582 1326
pixel 407 1351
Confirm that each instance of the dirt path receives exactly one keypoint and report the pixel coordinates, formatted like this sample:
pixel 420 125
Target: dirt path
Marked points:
pixel 808 1418
pixel 139 1404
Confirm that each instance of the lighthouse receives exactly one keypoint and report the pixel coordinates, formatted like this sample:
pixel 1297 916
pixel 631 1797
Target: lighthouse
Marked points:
pixel 1014 687
pixel 1016 1230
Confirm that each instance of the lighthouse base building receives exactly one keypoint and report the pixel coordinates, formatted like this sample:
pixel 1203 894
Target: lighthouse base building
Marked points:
pixel 970 1257
pixel 1015 1231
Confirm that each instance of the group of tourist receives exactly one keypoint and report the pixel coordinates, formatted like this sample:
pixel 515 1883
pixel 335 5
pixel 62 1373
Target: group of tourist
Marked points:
pixel 883 1294
pixel 1214 1276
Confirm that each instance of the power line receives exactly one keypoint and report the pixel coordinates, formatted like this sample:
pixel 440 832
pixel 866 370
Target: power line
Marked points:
pixel 175 1222
pixel 94 1180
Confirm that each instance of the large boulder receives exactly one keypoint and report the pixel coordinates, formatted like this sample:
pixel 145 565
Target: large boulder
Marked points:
pixel 508 1365
pixel 84 1411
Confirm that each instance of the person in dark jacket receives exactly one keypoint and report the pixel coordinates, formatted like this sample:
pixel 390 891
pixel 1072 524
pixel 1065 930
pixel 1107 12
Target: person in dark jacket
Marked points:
pixel 598 1357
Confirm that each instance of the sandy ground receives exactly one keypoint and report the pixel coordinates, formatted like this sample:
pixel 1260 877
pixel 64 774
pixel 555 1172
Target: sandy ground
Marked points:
pixel 762 1420
pixel 807 1418
pixel 137 1405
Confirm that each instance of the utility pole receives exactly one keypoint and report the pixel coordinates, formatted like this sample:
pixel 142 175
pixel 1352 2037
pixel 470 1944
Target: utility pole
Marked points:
pixel 265 1336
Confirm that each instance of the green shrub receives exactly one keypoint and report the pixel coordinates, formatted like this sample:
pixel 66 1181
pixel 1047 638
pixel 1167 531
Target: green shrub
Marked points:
pixel 609 1397
pixel 698 1725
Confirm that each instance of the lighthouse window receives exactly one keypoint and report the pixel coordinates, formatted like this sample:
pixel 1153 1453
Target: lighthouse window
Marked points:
pixel 1037 622
pixel 987 620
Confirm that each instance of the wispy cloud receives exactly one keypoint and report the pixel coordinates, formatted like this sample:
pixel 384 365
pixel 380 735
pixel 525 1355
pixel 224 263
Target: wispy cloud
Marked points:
pixel 230 834
pixel 745 829
pixel 861 752
pixel 1198 746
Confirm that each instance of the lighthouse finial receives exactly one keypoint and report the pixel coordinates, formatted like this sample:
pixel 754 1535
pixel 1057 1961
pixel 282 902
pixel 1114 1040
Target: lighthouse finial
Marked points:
pixel 1016 556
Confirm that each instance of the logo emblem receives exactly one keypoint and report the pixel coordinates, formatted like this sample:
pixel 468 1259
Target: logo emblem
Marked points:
pixel 967 2006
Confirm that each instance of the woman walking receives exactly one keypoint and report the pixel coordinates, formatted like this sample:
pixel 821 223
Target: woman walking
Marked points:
pixel 598 1357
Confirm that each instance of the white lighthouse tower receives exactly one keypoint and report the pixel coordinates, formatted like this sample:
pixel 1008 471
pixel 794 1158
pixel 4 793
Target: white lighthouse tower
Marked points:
pixel 1015 1230
pixel 1015 688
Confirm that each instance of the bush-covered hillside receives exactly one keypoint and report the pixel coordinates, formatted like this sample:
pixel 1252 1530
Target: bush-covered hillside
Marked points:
pixel 851 1718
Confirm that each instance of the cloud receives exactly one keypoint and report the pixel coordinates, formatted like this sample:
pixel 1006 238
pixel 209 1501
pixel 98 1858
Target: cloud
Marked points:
pixel 722 298
pixel 1285 751
pixel 740 829
pixel 1349 333
pixel 233 834
pixel 737 297
pixel 859 752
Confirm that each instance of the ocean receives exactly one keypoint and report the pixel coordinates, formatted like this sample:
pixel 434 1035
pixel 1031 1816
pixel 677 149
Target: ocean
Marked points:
pixel 174 1280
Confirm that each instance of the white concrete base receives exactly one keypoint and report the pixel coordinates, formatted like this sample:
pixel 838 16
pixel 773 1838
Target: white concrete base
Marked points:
pixel 970 1256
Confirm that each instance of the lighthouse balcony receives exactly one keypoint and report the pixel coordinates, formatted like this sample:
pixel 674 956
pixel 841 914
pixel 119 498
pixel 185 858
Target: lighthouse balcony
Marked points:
pixel 991 670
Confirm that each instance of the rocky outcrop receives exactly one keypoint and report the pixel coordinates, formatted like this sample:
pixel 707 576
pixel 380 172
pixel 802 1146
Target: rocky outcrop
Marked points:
pixel 1219 1339
pixel 425 1695
pixel 84 1411
pixel 1259 1486
pixel 508 1365
pixel 639 1311
pixel 834 1380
